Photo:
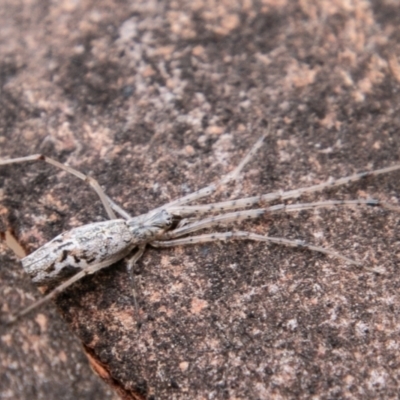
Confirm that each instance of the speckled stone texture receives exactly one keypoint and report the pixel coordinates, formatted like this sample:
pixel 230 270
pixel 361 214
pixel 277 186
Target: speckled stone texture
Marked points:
pixel 156 99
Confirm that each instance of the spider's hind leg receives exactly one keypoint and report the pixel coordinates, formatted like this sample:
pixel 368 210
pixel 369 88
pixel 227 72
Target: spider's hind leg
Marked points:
pixel 108 204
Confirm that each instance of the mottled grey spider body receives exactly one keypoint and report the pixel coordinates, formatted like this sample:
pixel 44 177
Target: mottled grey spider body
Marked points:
pixel 79 248
pixel 89 248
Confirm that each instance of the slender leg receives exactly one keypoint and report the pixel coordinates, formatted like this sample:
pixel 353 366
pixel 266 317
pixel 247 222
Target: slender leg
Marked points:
pixel 275 196
pixel 119 210
pixel 238 216
pixel 334 183
pixel 241 235
pixel 87 271
pixel 233 175
pixel 108 204
pixel 129 266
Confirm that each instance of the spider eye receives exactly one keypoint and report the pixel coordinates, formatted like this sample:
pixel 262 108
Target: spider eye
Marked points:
pixel 165 219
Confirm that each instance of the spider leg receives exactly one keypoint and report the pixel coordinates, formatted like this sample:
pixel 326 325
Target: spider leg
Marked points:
pixel 108 204
pixel 242 235
pixel 118 209
pixel 336 182
pixel 129 266
pixel 91 269
pixel 233 175
pixel 275 196
pixel 238 216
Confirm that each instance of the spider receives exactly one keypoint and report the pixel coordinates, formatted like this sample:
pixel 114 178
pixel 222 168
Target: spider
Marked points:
pixel 89 248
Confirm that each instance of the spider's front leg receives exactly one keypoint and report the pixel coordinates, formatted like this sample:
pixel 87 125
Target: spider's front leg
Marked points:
pixel 171 238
